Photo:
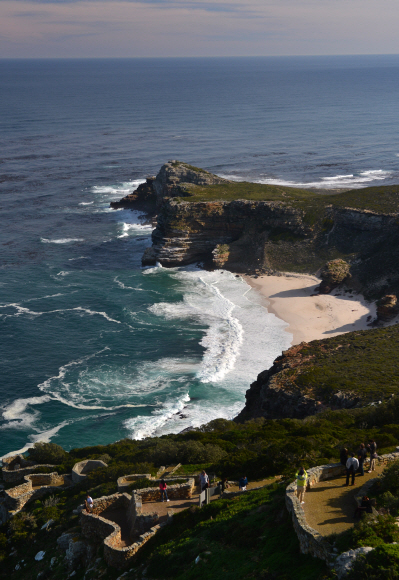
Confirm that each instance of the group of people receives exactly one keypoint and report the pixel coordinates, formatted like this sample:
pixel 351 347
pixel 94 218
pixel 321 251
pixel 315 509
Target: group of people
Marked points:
pixel 354 462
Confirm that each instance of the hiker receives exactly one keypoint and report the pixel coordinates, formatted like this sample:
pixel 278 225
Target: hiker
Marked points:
pixel 361 456
pixel 301 481
pixel 89 503
pixel 365 507
pixel 351 467
pixel 343 456
pixel 372 447
pixel 223 484
pixel 204 480
pixel 162 487
pixel 242 484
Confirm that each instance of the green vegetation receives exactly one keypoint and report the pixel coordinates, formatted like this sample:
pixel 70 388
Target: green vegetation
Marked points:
pixel 363 362
pixel 250 536
pixel 383 199
pixel 188 166
pixel 380 564
pixel 47 453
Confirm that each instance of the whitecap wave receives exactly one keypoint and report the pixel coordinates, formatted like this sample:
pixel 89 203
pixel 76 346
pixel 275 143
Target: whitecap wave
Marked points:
pixel 147 426
pixel 61 240
pixel 335 181
pixel 86 203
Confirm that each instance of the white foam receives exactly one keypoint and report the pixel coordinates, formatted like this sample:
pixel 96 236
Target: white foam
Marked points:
pixel 86 203
pixel 348 180
pixel 61 240
pixel 144 426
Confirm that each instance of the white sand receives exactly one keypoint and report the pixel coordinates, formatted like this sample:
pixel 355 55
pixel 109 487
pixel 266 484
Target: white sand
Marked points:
pixel 312 317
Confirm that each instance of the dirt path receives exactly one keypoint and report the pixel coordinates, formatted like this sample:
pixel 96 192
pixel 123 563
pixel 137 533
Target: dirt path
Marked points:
pixel 330 505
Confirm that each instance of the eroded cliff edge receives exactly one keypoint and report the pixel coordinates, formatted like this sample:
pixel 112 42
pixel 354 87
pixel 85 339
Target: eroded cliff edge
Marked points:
pixel 257 228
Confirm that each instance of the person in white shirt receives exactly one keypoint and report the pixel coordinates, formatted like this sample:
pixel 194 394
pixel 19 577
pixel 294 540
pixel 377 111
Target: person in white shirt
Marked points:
pixel 89 503
pixel 352 466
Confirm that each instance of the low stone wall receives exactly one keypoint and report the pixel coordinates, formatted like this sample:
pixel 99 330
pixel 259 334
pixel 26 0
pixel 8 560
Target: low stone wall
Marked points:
pixel 82 468
pixel 310 540
pixel 175 491
pixel 17 497
pixel 124 482
pixel 16 467
pixel 96 527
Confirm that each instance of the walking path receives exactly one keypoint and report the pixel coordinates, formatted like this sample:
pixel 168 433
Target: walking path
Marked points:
pixel 330 505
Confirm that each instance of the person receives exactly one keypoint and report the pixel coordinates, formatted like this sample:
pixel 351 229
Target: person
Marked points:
pixel 204 480
pixel 365 507
pixel 301 481
pixel 89 503
pixel 162 487
pixel 242 484
pixel 361 456
pixel 223 484
pixel 351 467
pixel 343 457
pixel 372 447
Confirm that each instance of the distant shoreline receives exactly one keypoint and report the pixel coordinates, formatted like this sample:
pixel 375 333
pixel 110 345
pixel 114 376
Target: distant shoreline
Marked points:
pixel 312 317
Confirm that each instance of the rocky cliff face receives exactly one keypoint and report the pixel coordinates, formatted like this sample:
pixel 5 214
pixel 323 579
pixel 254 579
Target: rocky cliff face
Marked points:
pixel 189 232
pixel 266 236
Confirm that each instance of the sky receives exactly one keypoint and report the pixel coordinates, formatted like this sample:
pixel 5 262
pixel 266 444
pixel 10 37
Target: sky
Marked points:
pixel 178 28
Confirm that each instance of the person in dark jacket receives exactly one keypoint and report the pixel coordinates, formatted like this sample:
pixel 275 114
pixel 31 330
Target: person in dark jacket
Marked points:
pixel 242 484
pixel 361 455
pixel 223 484
pixel 365 507
pixel 343 457
pixel 372 447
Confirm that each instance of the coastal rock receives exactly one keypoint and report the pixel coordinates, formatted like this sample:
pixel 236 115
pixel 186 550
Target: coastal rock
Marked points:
pixel 333 274
pixel 344 562
pixel 387 308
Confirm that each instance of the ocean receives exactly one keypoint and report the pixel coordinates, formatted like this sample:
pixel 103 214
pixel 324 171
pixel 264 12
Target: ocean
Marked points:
pixel 94 348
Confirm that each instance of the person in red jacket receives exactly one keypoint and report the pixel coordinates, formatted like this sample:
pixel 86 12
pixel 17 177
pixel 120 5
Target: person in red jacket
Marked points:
pixel 162 487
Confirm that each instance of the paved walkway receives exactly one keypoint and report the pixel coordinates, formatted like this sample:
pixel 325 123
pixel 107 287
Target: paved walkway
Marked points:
pixel 330 505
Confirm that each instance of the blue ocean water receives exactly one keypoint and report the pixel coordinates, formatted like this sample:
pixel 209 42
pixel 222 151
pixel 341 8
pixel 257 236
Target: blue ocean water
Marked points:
pixel 94 348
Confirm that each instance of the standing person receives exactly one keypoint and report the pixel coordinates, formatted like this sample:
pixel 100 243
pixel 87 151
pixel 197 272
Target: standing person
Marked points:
pixel 372 447
pixel 89 503
pixel 223 484
pixel 301 481
pixel 343 456
pixel 162 487
pixel 242 484
pixel 204 480
pixel 361 455
pixel 351 467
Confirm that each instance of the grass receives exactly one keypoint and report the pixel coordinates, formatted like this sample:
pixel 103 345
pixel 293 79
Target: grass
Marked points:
pixel 235 538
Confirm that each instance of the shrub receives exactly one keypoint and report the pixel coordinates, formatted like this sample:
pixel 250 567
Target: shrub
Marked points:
pixel 51 501
pixel 47 453
pixel 390 479
pixel 380 564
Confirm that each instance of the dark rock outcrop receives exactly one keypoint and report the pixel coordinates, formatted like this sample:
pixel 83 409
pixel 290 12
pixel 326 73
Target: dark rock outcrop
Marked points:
pixel 333 274
pixel 387 308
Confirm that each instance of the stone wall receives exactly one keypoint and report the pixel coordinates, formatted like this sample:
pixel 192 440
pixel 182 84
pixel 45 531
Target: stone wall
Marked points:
pixel 95 527
pixel 16 467
pixel 176 491
pixel 310 540
pixel 82 468
pixel 125 481
pixel 17 497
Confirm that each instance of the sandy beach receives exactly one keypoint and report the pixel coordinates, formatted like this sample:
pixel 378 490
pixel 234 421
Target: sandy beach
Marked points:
pixel 289 297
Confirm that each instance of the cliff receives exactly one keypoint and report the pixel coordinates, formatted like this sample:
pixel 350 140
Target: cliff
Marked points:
pixel 345 372
pixel 252 228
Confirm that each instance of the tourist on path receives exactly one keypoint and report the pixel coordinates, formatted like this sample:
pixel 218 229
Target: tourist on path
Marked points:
pixel 162 487
pixel 89 503
pixel 343 456
pixel 352 466
pixel 242 484
pixel 223 484
pixel 372 447
pixel 204 480
pixel 365 507
pixel 301 481
pixel 361 455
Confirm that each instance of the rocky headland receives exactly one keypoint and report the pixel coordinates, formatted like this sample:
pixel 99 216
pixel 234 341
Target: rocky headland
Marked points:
pixel 255 228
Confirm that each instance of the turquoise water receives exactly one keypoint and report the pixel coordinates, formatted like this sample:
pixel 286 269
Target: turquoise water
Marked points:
pixel 95 348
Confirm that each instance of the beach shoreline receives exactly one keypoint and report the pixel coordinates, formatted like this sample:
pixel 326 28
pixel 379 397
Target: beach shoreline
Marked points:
pixel 311 316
